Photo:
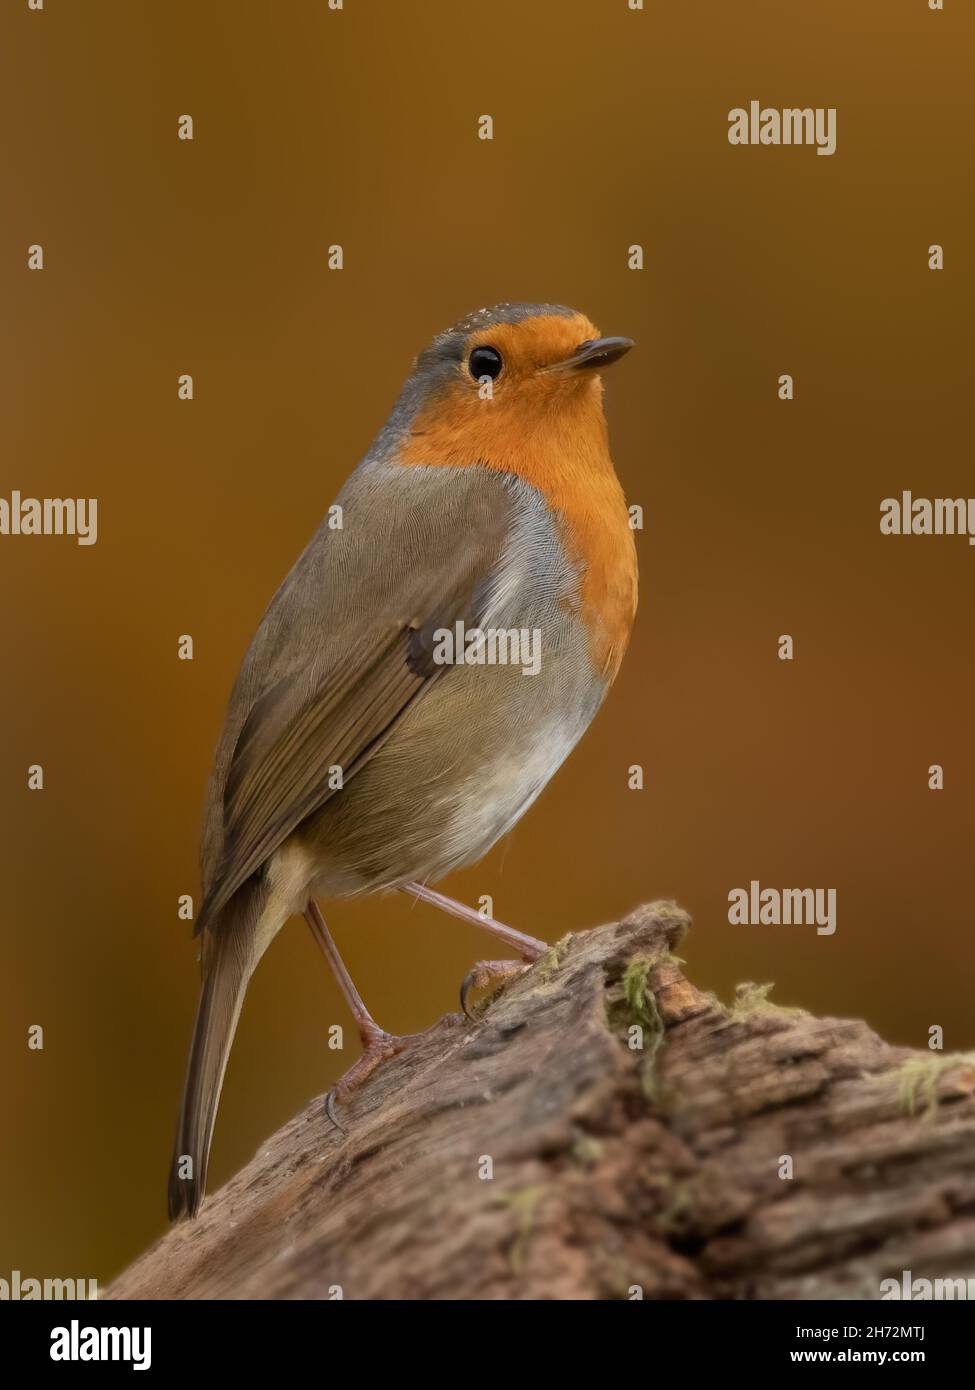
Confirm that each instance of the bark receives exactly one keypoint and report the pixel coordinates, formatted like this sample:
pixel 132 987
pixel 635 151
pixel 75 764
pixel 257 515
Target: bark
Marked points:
pixel 615 1168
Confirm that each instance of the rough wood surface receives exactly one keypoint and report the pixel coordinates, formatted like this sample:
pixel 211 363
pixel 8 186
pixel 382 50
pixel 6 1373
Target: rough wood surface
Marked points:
pixel 615 1168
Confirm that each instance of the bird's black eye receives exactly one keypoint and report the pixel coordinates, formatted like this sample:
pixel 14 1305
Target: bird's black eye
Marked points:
pixel 485 361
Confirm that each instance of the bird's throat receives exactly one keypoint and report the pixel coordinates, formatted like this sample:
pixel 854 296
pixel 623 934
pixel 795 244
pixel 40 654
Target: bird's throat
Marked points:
pixel 557 442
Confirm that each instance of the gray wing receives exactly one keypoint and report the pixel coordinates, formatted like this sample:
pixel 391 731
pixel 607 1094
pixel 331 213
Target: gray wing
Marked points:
pixel 344 650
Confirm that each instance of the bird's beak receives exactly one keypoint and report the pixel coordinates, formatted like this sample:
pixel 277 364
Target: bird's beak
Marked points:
pixel 594 353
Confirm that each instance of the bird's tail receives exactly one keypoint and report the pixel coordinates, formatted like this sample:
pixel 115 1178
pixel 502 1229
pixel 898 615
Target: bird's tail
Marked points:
pixel 229 956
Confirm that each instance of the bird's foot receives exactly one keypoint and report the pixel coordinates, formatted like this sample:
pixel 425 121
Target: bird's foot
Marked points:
pixel 490 972
pixel 378 1046
pixel 485 972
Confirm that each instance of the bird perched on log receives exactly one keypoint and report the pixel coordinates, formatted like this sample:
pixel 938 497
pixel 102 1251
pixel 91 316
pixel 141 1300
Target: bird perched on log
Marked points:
pixel 362 750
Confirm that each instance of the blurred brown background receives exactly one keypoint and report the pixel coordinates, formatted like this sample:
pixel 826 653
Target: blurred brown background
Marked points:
pixel 359 127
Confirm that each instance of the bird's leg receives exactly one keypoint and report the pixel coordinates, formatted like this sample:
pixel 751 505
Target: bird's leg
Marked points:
pixel 377 1045
pixel 528 947
pixel 485 971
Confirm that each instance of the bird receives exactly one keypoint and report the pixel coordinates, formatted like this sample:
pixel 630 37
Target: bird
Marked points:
pixel 359 752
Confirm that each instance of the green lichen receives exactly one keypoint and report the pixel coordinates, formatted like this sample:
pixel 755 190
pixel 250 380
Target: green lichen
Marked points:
pixel 676 1210
pixel 638 1008
pixel 636 990
pixel 552 959
pixel 586 1149
pixel 751 999
pixel 918 1080
pixel 523 1204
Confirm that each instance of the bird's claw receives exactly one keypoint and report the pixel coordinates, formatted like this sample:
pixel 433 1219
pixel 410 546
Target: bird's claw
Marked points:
pixel 330 1112
pixel 379 1047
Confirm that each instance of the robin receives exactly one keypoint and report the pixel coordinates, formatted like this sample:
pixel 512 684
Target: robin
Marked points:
pixel 371 742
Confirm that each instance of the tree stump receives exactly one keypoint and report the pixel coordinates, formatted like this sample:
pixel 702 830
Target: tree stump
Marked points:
pixel 605 1130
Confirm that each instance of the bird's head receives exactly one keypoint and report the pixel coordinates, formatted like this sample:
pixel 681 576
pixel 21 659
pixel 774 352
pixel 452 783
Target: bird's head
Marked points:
pixel 527 352
pixel 506 381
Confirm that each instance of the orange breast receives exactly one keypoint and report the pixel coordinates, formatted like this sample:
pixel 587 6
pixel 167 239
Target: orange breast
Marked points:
pixel 558 443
